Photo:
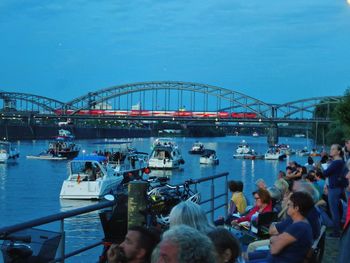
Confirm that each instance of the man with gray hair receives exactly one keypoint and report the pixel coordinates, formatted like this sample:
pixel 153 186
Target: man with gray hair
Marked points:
pixel 184 244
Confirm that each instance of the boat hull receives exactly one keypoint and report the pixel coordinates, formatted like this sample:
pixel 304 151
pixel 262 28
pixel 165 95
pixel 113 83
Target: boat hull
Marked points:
pixel 88 190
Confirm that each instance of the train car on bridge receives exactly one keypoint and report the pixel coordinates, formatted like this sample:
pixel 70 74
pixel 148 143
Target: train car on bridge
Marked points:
pixel 150 113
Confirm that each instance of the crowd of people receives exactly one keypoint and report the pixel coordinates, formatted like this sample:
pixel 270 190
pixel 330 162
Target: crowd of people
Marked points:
pixel 303 200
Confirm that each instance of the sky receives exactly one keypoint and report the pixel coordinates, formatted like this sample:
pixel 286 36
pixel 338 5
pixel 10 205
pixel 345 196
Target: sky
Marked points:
pixel 275 51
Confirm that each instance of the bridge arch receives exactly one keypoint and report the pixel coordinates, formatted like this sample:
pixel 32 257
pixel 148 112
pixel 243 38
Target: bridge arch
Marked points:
pixel 29 102
pixel 225 98
pixel 305 106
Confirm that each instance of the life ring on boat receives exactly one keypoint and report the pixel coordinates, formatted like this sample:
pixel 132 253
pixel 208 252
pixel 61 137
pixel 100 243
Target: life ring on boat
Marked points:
pixel 64 145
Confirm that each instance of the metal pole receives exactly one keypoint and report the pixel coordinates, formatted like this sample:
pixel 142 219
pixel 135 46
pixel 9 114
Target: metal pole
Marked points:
pixel 212 200
pixel 61 247
pixel 226 192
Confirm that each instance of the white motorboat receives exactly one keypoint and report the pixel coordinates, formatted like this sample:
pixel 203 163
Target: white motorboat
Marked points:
pixel 243 151
pixel 129 163
pixel 90 177
pixel 197 148
pixel 209 157
pixel 165 155
pixel 275 153
pixel 255 134
pixel 7 152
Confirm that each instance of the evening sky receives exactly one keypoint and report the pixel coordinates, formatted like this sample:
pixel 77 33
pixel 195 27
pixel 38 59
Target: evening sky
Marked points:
pixel 275 51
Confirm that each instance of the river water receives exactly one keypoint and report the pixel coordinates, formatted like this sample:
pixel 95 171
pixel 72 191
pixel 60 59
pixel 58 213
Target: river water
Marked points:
pixel 30 189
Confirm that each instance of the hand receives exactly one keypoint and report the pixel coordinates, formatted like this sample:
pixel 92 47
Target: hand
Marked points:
pixel 234 223
pixel 113 253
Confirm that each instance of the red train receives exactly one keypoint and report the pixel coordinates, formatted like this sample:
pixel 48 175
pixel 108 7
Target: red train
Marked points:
pixel 149 113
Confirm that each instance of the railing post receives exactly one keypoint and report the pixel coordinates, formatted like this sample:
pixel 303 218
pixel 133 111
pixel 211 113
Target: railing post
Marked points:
pixel 227 197
pixel 62 245
pixel 212 199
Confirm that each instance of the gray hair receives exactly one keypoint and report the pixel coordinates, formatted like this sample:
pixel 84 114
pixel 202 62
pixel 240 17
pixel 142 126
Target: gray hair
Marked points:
pixel 306 187
pixel 193 246
pixel 191 214
pixel 282 185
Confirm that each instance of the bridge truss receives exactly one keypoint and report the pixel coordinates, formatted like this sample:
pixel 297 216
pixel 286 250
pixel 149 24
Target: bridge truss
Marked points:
pixel 166 96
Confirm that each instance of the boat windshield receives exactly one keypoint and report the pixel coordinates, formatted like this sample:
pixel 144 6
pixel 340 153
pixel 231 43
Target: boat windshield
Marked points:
pixel 4 147
pixel 88 169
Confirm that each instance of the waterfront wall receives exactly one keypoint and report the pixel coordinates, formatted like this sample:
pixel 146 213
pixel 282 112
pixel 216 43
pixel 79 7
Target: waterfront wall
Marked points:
pixel 21 132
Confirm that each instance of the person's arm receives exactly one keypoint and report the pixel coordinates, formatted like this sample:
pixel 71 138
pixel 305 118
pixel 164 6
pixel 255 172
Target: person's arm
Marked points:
pixel 279 242
pixel 273 230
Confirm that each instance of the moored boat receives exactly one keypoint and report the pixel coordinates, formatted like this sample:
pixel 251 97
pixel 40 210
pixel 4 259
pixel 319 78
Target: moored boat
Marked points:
pixel 197 148
pixel 209 157
pixel 243 151
pixel 275 153
pixel 90 177
pixel 165 155
pixel 7 152
pixel 61 148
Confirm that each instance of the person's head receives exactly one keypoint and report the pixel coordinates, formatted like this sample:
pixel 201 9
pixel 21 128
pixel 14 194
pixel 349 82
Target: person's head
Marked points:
pixel 306 187
pixel 260 184
pixel 311 176
pixel 233 186
pixel 310 161
pixel 184 244
pixel 281 174
pixel 347 144
pixel 191 214
pixel 139 243
pixel 240 186
pixel 336 151
pixel 289 170
pixel 292 164
pixel 300 203
pixel 262 197
pixel 282 185
pixel 227 246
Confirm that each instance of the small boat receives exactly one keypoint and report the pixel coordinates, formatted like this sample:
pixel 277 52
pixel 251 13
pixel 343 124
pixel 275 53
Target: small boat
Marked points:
pixel 90 177
pixel 243 151
pixel 209 157
pixel 197 148
pixel 314 153
pixel 275 153
pixel 7 152
pixel 165 155
pixel 255 134
pixel 303 152
pixel 126 160
pixel 61 148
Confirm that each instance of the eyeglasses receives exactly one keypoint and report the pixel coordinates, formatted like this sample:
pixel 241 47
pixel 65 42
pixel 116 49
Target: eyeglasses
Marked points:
pixel 256 198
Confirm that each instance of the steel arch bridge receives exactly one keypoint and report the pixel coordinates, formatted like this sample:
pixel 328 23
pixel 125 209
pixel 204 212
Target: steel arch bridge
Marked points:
pixel 165 96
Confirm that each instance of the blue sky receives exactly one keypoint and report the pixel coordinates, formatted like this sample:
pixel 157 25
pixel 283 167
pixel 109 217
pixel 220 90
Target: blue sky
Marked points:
pixel 275 51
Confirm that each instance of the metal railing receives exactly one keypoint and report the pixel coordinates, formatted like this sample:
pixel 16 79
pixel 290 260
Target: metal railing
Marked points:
pixel 4 231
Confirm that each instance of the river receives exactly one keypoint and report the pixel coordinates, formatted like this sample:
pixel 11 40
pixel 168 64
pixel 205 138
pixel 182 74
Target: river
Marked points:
pixel 30 188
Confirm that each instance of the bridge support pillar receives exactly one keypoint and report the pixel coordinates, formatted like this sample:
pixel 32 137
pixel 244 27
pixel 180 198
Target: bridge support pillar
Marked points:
pixel 272 134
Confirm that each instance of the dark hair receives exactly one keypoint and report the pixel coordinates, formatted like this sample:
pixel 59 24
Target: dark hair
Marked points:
pixel 239 186
pixel 303 201
pixel 311 176
pixel 222 240
pixel 264 195
pixel 340 149
pixel 233 186
pixel 148 239
pixel 310 160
